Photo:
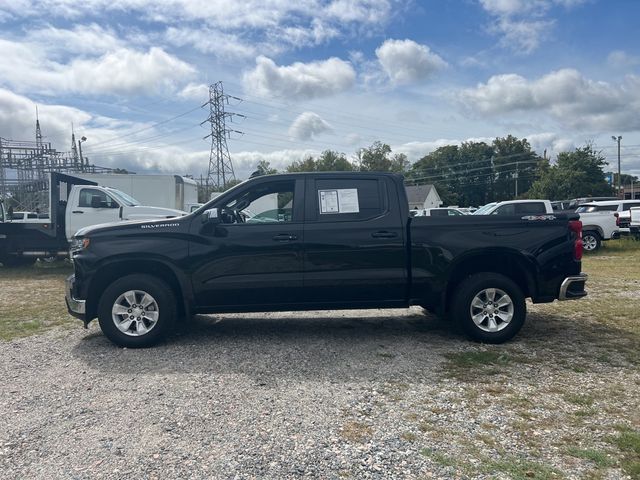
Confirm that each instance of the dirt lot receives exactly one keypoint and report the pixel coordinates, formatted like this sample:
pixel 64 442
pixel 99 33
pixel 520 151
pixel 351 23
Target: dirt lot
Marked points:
pixel 358 394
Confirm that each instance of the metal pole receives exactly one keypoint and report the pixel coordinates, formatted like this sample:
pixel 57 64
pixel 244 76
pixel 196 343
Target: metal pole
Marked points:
pixel 619 170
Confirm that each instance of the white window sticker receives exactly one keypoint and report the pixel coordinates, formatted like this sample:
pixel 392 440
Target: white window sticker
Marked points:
pixel 328 201
pixel 343 200
pixel 348 200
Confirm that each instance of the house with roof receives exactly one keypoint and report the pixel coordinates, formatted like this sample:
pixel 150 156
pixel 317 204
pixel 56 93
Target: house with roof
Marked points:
pixel 423 196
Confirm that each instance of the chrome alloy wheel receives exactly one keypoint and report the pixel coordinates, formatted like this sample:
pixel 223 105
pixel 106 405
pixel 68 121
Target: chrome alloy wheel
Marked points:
pixel 135 313
pixel 589 242
pixel 491 309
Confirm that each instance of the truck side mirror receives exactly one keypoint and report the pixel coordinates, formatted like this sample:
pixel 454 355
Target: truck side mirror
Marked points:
pixel 211 216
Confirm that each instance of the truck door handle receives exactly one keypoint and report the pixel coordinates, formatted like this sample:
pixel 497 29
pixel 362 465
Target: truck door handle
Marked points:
pixel 384 234
pixel 284 237
pixel 77 211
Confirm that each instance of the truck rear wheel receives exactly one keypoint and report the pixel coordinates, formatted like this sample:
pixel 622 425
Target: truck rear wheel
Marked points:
pixel 489 307
pixel 137 311
pixel 591 241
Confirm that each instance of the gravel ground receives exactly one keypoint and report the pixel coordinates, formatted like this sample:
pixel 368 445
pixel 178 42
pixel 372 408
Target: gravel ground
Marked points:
pixel 355 394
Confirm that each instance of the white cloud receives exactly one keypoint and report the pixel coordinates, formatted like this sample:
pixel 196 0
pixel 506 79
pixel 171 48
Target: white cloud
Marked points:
pixel 26 67
pixel 82 39
pixel 228 27
pixel 195 91
pixel 523 24
pixel 308 125
pixel 406 61
pixel 207 40
pixel 245 162
pixel 569 97
pixel 18 114
pixel 622 59
pixel 299 80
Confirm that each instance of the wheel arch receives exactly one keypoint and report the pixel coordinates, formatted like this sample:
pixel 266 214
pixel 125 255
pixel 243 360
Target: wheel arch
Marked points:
pixel 119 268
pixel 593 228
pixel 513 265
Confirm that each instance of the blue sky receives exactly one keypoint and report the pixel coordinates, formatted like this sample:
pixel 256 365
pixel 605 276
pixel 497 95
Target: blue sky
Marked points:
pixel 316 74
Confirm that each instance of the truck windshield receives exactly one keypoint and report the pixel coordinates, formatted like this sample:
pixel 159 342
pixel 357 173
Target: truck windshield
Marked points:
pixel 596 208
pixel 124 198
pixel 485 209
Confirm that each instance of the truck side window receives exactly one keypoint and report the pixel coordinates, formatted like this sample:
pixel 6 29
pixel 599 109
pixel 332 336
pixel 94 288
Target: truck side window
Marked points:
pixel 508 209
pixel 265 203
pixel 530 208
pixel 371 198
pixel 87 195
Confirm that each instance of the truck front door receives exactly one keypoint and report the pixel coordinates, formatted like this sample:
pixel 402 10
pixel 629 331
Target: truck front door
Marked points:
pixel 354 241
pixel 251 254
pixel 91 206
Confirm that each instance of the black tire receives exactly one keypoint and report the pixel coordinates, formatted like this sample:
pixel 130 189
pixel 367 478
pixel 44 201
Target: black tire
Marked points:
pixel 160 292
pixel 474 285
pixel 589 238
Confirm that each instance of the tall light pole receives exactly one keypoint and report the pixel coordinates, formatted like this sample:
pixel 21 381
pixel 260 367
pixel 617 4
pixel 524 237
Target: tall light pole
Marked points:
pixel 83 139
pixel 617 139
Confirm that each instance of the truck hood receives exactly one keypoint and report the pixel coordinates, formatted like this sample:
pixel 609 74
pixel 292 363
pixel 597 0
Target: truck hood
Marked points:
pixel 148 224
pixel 141 212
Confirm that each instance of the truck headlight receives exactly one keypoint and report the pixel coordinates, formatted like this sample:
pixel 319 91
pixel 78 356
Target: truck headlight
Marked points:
pixel 79 244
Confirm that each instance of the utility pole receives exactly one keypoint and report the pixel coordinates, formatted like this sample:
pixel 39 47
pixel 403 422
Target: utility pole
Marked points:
pixel 220 167
pixel 617 139
pixel 516 177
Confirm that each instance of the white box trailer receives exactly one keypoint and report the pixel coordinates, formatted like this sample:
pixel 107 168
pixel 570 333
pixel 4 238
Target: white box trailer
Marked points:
pixel 168 191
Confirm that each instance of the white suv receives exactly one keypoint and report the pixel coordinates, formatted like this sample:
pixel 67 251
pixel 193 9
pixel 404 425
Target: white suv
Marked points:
pixel 599 221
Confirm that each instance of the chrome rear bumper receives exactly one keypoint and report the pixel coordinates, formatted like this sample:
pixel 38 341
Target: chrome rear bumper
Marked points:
pixel 572 288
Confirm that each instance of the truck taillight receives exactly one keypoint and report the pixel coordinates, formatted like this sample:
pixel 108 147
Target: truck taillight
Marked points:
pixel 617 215
pixel 576 227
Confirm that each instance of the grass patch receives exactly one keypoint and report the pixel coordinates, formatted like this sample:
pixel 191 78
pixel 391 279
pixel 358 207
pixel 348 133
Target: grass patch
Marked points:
pixel 439 458
pixel 474 363
pixel 409 436
pixel 356 432
pixel 32 300
pixel 523 469
pixel 628 442
pixel 582 399
pixel 598 457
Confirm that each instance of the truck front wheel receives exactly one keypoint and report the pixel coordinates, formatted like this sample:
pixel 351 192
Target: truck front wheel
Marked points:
pixel 489 307
pixel 137 311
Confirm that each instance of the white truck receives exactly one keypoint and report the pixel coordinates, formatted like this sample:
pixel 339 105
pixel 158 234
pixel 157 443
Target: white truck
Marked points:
pixel 516 207
pixel 166 191
pixel 74 203
pixel 599 223
pixel 634 222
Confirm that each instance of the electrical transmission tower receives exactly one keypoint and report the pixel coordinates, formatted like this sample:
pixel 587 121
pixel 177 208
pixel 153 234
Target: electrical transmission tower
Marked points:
pixel 220 166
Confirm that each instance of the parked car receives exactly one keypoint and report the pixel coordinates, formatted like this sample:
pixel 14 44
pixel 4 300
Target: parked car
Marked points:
pixel 349 242
pixel 561 205
pixel 576 202
pixel 443 212
pixel 516 207
pixel 634 222
pixel 599 222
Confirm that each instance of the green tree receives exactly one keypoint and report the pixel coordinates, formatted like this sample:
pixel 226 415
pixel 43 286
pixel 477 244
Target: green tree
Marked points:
pixel 513 158
pixel 264 168
pixel 332 161
pixel 375 158
pixel 308 164
pixel 576 174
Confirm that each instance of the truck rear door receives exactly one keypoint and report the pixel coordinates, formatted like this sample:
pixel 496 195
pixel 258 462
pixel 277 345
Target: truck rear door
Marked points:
pixel 354 240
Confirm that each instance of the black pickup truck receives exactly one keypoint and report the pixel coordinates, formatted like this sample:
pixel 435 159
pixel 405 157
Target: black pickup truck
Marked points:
pixel 321 241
